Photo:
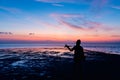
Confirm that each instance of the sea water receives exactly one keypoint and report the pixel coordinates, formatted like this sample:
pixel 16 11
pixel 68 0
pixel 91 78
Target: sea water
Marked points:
pixel 112 48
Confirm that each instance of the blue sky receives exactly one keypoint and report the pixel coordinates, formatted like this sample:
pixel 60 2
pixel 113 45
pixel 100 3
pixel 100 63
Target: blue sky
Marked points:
pixel 89 20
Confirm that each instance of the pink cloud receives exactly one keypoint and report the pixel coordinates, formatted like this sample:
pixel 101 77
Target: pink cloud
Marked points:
pixel 92 25
pixel 67 15
pixel 64 20
pixel 115 36
pixel 49 25
pixel 76 27
pixel 85 26
pixel 79 22
pixel 94 35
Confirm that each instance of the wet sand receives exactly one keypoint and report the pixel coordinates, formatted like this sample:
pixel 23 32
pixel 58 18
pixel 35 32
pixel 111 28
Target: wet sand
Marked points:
pixel 57 64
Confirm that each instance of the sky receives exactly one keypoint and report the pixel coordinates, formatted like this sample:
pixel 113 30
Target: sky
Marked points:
pixel 59 20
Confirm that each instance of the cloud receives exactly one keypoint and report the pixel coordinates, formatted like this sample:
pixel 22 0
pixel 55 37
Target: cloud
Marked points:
pixel 77 21
pixel 115 36
pixel 67 15
pixel 94 35
pixel 101 2
pixel 59 5
pixel 97 5
pixel 116 7
pixel 6 33
pixel 39 22
pixel 31 33
pixel 65 23
pixel 11 10
pixel 92 24
pixel 88 25
pixel 57 1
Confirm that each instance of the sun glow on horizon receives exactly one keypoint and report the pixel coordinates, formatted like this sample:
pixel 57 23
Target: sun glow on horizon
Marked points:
pixel 57 38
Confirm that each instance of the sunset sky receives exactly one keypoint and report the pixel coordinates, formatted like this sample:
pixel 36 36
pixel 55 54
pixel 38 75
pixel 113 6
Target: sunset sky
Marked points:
pixel 60 20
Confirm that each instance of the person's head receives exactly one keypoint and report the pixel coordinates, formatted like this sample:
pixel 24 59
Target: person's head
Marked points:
pixel 78 42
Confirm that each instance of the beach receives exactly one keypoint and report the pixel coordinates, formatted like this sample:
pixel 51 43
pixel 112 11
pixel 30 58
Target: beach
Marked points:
pixel 57 64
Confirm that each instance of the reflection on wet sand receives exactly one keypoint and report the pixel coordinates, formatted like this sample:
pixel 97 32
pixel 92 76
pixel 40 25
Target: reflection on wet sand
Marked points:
pixel 56 63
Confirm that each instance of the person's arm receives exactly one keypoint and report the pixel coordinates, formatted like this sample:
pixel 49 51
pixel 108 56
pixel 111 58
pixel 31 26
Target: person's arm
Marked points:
pixel 71 49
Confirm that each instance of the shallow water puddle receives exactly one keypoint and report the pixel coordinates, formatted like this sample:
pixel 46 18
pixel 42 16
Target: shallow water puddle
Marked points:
pixel 20 63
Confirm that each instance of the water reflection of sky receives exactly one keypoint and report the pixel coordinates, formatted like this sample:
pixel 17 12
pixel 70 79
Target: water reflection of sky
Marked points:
pixel 34 53
pixel 108 47
pixel 102 47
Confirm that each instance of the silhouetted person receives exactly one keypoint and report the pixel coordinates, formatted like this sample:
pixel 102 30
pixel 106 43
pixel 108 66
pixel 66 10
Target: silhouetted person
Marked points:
pixel 78 59
pixel 78 52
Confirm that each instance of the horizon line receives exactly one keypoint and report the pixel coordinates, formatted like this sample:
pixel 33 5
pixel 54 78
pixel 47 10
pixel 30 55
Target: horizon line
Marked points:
pixel 49 41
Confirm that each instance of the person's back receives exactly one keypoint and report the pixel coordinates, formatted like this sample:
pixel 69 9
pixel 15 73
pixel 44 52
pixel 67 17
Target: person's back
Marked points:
pixel 78 51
